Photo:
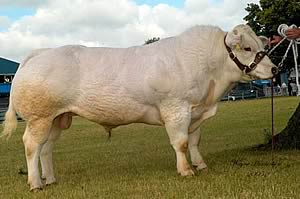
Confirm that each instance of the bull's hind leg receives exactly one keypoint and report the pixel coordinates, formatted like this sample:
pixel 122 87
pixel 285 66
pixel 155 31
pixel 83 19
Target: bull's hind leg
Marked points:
pixel 46 156
pixel 197 160
pixel 177 119
pixel 63 121
pixel 35 136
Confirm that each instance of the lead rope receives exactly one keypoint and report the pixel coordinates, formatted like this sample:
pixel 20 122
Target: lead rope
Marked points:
pixel 293 44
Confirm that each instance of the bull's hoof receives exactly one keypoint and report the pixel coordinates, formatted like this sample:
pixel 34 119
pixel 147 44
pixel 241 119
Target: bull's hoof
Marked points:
pixel 35 186
pixel 50 181
pixel 201 166
pixel 188 172
pixel 36 189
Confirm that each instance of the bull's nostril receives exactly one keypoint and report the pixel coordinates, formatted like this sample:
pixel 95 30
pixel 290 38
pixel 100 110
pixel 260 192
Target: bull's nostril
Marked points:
pixel 274 70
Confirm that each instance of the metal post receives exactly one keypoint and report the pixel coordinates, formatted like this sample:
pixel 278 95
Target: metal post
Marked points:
pixel 297 80
pixel 272 118
pixel 295 53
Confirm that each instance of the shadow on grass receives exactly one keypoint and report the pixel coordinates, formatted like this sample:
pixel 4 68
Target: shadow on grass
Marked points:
pixel 122 171
pixel 253 159
pixel 151 163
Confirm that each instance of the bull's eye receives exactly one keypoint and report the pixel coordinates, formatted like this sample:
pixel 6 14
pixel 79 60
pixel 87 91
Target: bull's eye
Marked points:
pixel 247 49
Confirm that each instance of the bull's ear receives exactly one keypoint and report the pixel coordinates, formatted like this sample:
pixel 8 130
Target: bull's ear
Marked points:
pixel 233 39
pixel 264 40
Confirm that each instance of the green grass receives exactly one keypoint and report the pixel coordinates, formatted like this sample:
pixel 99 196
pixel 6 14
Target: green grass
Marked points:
pixel 138 162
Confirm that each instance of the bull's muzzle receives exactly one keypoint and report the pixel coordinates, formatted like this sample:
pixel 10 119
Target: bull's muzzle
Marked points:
pixel 274 70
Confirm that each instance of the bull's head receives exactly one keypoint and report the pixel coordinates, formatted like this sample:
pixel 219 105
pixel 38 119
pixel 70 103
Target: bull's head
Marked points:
pixel 247 51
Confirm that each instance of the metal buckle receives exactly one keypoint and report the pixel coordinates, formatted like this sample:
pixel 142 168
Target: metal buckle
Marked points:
pixel 232 55
pixel 254 65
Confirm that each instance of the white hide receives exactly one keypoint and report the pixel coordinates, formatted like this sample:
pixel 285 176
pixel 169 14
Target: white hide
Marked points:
pixel 175 82
pixel 119 86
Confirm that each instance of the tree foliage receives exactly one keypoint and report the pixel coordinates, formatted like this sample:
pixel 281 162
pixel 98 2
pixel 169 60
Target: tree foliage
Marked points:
pixel 268 15
pixel 151 40
pixel 265 18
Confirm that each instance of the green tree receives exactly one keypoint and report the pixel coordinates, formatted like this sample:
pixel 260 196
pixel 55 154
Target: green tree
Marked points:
pixel 267 16
pixel 152 40
pixel 265 19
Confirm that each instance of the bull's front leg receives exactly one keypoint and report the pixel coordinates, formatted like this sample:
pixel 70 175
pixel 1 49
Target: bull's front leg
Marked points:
pixel 195 137
pixel 196 158
pixel 177 118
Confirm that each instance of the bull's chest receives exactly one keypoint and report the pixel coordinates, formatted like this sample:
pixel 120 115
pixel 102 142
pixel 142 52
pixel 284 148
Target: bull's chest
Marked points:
pixel 198 111
pixel 205 104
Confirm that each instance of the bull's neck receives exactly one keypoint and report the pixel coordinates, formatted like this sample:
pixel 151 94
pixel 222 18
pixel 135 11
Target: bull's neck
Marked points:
pixel 226 74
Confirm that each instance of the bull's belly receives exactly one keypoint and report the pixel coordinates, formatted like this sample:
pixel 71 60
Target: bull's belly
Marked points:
pixel 116 113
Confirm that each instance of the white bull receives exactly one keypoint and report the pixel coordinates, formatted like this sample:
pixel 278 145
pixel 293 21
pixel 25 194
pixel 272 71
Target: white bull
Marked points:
pixel 175 82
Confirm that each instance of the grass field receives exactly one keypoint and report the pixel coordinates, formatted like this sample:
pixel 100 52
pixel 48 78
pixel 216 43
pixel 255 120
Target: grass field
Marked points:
pixel 138 162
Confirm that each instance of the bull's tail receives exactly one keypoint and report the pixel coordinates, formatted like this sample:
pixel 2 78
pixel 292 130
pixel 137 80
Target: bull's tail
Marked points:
pixel 10 123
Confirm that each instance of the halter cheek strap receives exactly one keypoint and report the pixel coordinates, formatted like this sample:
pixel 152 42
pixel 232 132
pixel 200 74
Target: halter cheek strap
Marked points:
pixel 245 68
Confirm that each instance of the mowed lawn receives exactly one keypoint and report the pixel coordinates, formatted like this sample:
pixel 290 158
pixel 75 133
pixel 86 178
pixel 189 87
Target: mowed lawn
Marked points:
pixel 138 161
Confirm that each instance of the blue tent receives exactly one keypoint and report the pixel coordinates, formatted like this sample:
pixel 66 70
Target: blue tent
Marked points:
pixel 8 69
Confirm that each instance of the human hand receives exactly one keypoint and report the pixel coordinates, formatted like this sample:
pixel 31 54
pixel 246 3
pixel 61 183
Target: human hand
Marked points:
pixel 293 33
pixel 275 39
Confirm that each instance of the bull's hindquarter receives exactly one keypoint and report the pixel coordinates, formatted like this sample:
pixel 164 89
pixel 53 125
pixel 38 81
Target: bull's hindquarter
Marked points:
pixel 175 83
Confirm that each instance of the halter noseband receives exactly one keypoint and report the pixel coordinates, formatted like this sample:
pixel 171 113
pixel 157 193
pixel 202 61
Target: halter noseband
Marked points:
pixel 245 68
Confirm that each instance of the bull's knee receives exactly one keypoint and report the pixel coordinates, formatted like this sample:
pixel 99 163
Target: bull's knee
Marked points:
pixel 45 151
pixel 180 144
pixel 183 145
pixel 29 147
pixel 183 167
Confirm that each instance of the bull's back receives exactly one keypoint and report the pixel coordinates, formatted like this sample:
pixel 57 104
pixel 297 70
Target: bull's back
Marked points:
pixel 112 88
pixel 102 84
pixel 88 82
